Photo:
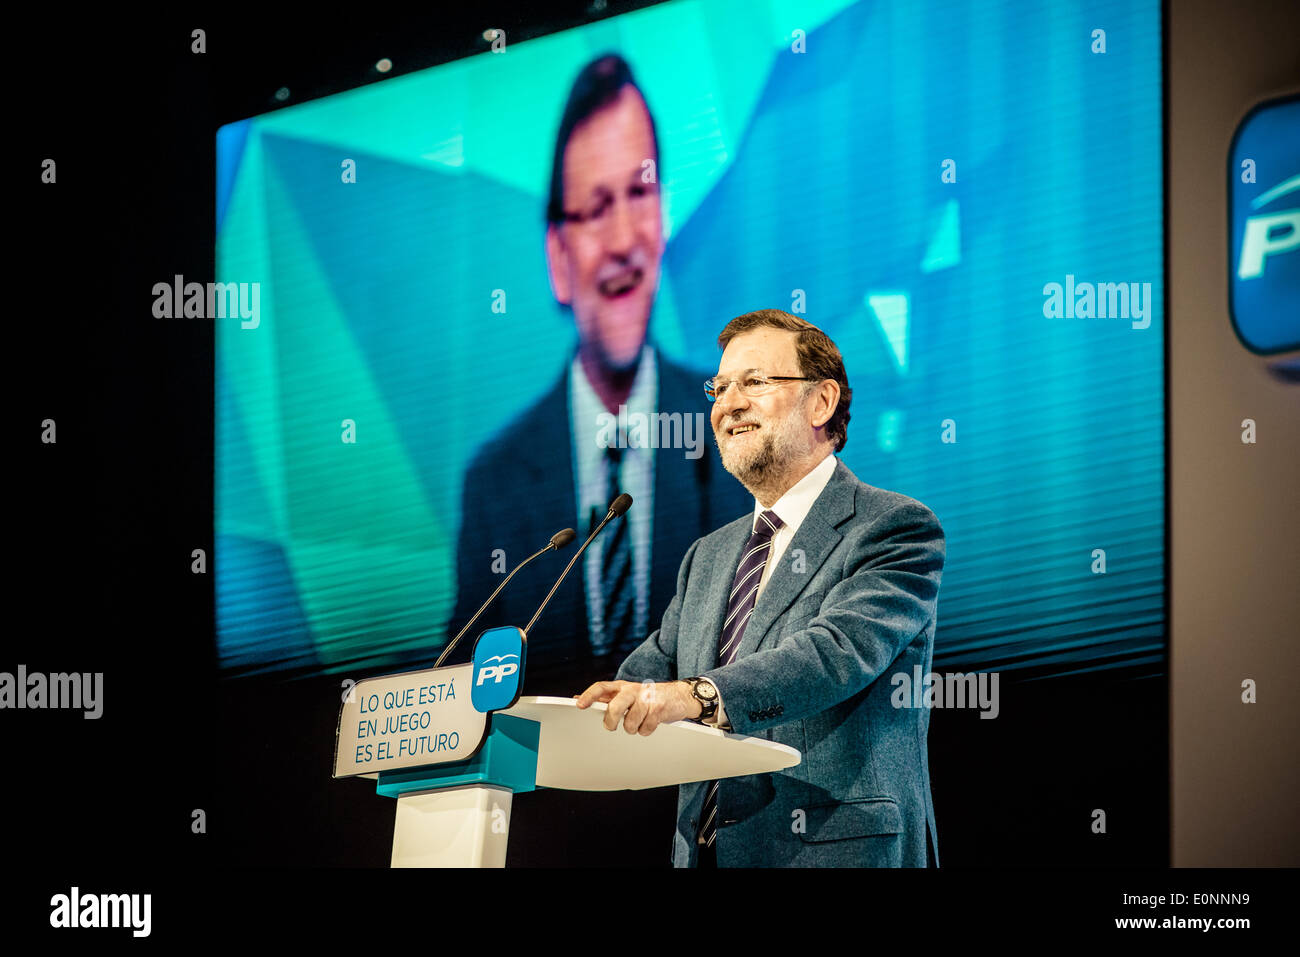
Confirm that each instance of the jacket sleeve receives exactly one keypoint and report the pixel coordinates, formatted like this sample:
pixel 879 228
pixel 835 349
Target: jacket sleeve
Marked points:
pixel 888 594
pixel 656 657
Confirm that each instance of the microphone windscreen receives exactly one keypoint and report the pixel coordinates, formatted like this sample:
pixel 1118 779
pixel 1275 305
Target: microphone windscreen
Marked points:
pixel 620 504
pixel 562 538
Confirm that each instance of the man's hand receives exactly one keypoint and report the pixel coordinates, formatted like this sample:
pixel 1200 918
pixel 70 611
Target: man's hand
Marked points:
pixel 642 706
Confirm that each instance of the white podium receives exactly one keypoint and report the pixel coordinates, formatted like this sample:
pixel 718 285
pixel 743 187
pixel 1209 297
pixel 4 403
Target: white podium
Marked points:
pixel 458 815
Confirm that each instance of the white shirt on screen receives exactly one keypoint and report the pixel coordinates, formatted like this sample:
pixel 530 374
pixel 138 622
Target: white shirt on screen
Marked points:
pixel 588 420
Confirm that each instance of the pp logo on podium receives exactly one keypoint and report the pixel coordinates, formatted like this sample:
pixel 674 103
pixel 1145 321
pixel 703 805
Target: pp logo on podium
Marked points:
pixel 498 668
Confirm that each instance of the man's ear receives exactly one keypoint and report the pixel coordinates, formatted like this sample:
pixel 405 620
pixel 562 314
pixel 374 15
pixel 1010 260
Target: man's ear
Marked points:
pixel 557 265
pixel 828 399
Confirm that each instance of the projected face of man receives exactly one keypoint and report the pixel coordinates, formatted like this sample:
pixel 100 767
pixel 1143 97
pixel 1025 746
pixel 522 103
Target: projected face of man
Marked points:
pixel 604 261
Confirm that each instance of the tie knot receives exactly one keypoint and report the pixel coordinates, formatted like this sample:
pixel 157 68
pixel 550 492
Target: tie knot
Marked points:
pixel 768 524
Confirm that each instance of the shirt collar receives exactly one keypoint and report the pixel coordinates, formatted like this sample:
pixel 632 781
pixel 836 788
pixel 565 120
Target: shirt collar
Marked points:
pixel 587 403
pixel 793 507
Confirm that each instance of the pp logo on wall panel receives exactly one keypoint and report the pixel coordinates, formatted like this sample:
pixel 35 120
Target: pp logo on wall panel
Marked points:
pixel 498 668
pixel 1264 216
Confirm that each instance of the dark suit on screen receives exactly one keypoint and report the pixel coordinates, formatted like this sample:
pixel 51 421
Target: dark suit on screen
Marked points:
pixel 520 489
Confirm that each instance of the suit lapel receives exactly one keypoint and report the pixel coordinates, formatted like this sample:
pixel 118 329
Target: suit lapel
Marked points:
pixel 676 487
pixel 549 459
pixel 548 464
pixel 816 539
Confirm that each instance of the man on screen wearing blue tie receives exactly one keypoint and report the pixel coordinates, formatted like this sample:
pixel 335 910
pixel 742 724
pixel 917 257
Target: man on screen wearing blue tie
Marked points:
pixel 788 623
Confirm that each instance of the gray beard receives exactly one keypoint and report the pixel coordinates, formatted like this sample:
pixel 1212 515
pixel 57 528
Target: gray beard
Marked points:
pixel 760 467
pixel 762 473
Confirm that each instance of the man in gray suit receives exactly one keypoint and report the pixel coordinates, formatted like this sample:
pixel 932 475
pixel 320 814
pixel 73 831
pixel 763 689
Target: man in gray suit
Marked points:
pixel 788 623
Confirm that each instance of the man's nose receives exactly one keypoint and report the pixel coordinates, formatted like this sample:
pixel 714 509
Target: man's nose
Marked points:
pixel 622 228
pixel 730 402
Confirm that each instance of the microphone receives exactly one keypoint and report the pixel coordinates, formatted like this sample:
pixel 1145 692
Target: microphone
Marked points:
pixel 559 540
pixel 617 509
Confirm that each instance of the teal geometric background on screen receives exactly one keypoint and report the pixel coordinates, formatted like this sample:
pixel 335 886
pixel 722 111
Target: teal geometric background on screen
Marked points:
pixel 818 171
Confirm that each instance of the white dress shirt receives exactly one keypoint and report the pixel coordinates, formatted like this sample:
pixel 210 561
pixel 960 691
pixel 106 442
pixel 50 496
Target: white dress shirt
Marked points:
pixel 590 427
pixel 791 508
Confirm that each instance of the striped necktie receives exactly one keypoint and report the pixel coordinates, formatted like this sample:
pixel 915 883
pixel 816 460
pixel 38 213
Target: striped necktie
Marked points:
pixel 740 605
pixel 618 590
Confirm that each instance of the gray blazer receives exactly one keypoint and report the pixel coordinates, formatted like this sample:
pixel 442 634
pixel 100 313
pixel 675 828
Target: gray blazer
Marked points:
pixel 851 603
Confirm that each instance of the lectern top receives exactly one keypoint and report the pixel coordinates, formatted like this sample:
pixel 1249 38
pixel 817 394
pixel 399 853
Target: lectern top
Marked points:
pixel 577 753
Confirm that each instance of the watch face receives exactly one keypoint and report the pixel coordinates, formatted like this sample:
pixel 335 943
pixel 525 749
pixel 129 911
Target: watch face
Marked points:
pixel 705 691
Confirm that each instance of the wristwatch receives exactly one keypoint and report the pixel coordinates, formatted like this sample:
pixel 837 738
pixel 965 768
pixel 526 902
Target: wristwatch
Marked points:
pixel 706 693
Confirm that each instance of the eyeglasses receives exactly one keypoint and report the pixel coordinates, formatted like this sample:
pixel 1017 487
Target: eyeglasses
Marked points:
pixel 597 213
pixel 750 384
